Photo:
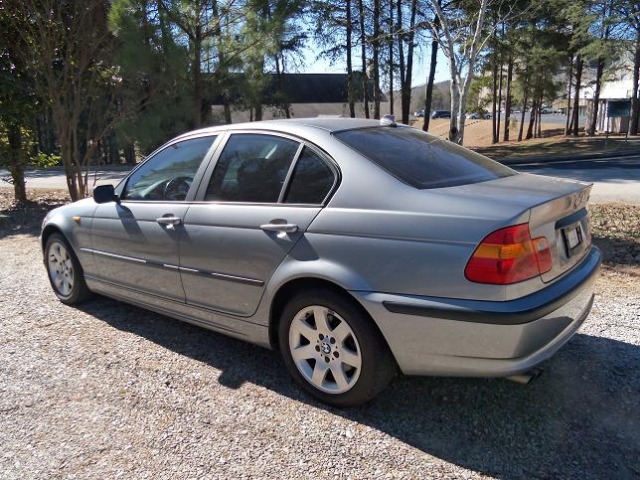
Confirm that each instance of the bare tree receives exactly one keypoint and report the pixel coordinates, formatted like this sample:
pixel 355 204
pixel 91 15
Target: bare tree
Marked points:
pixel 462 37
pixel 69 50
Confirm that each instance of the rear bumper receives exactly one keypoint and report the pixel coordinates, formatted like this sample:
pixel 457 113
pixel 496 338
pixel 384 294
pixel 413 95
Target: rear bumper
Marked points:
pixel 452 337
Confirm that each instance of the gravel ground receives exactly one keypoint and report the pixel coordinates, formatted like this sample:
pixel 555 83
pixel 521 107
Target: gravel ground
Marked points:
pixel 112 391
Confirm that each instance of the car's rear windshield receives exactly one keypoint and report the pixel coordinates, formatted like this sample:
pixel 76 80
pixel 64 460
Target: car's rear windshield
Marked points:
pixel 420 159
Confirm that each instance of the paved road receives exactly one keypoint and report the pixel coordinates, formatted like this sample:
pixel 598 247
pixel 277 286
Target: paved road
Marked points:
pixel 614 179
pixel 54 178
pixel 553 118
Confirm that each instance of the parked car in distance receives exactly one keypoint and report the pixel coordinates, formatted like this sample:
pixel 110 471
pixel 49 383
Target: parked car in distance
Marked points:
pixel 441 114
pixel 479 115
pixel 356 248
pixel 419 114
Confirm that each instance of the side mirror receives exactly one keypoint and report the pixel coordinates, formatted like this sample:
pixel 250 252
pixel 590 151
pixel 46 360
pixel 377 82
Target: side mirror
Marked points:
pixel 105 194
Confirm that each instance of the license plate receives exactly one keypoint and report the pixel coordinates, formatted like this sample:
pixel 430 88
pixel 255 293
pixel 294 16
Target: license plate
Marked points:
pixel 573 238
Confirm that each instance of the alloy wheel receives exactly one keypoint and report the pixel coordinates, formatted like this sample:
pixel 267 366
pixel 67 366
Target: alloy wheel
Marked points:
pixel 325 349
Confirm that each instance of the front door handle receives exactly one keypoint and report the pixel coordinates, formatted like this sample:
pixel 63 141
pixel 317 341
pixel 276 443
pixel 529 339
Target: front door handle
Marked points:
pixel 169 220
pixel 280 227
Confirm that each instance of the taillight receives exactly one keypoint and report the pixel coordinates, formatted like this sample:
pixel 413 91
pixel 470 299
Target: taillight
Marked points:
pixel 509 255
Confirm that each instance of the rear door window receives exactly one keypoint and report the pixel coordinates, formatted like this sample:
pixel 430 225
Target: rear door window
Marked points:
pixel 311 180
pixel 420 159
pixel 252 168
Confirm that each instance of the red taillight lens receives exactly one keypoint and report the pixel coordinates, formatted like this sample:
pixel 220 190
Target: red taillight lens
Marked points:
pixel 509 255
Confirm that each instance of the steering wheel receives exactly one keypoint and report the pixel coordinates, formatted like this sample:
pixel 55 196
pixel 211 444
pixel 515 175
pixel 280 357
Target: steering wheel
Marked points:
pixel 177 188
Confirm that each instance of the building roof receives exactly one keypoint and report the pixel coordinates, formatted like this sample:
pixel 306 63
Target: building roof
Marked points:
pixel 308 88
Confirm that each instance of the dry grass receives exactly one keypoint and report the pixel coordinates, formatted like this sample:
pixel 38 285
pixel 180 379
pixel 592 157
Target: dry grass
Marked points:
pixel 553 144
pixel 477 133
pixel 616 230
pixel 28 218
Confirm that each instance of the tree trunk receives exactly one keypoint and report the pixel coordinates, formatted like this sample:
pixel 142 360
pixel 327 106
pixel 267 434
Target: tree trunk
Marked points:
pixel 406 86
pixel 197 78
pixel 68 160
pixel 129 154
pixel 494 98
pixel 284 103
pixel 16 166
pixel 391 64
pixel 499 99
pixel 401 63
pixel 596 99
pixel 363 46
pixel 605 30
pixel 227 110
pixel 576 99
pixel 40 135
pixel 507 106
pixel 532 118
pixel 525 100
pixel 429 93
pixel 258 101
pixel 352 104
pixel 567 127
pixel 539 116
pixel 19 187
pixel 223 69
pixel 376 58
pixel 459 98
pixel 635 96
pixel 495 130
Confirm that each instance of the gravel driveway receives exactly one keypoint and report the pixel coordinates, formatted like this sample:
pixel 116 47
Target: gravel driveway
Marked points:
pixel 113 391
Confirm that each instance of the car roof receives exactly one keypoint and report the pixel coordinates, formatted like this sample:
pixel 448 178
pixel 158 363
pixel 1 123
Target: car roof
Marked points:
pixel 329 124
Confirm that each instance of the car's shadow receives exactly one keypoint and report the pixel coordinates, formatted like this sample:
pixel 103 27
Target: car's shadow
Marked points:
pixel 579 420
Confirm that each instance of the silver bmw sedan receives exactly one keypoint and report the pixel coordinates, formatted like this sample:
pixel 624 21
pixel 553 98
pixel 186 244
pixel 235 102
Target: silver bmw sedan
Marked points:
pixel 357 248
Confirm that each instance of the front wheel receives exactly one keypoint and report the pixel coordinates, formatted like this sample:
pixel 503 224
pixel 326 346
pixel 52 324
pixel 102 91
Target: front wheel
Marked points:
pixel 64 270
pixel 333 350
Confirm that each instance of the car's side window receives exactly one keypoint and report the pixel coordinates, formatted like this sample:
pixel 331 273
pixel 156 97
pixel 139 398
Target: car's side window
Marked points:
pixel 168 175
pixel 252 168
pixel 311 180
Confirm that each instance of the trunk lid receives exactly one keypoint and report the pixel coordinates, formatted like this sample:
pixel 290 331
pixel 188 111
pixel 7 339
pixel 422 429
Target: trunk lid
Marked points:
pixel 557 210
pixel 565 223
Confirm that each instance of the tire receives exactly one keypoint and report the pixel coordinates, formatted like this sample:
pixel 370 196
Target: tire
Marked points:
pixel 64 271
pixel 332 349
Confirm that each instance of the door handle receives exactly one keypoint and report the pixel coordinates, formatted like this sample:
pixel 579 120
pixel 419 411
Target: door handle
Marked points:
pixel 280 227
pixel 169 220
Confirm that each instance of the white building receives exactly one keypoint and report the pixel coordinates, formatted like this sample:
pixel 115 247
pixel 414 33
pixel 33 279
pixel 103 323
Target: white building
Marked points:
pixel 614 105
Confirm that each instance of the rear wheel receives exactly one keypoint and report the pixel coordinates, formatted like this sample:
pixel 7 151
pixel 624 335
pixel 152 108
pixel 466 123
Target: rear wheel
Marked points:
pixel 332 349
pixel 64 270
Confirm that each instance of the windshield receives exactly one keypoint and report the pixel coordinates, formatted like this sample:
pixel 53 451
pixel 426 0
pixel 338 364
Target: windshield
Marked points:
pixel 420 159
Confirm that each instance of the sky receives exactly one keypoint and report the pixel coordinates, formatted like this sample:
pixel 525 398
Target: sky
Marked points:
pixel 420 66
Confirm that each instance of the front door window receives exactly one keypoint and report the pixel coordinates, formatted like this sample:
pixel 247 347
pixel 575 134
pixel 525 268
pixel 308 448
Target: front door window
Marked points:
pixel 167 176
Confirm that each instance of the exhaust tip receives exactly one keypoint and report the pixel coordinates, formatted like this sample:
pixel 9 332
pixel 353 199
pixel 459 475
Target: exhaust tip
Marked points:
pixel 527 377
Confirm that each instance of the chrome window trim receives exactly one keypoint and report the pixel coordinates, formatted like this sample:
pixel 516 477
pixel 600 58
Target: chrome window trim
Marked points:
pixel 181 269
pixel 216 138
pixel 206 178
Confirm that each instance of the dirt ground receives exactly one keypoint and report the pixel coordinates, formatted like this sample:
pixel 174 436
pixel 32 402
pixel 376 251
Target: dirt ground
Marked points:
pixel 108 390
pixel 477 133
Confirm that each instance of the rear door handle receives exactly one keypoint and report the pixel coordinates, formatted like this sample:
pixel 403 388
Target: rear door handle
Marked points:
pixel 169 220
pixel 280 227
